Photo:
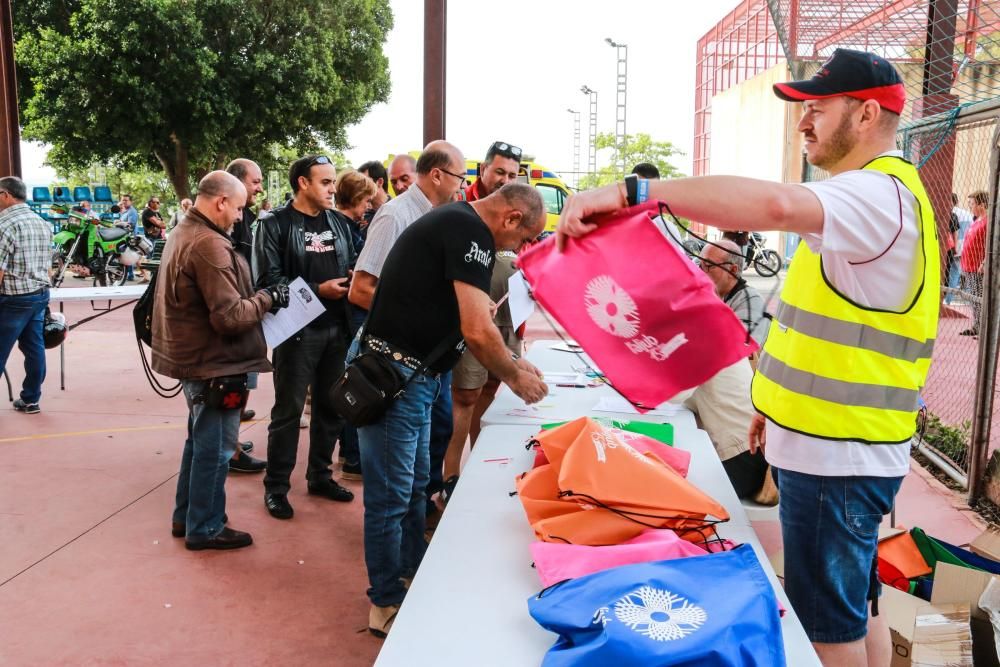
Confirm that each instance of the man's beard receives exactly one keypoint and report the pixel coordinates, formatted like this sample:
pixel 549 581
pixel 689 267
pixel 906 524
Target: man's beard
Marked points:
pixel 840 144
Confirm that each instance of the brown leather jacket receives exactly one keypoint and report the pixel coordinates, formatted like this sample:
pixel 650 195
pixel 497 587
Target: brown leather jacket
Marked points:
pixel 206 316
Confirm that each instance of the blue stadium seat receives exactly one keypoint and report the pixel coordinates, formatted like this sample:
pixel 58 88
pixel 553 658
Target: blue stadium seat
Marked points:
pixel 82 193
pixel 41 196
pixel 102 194
pixel 62 194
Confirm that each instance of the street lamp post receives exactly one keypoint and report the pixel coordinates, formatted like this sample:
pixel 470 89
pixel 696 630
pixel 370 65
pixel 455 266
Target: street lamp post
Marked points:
pixel 586 90
pixel 576 147
pixel 621 95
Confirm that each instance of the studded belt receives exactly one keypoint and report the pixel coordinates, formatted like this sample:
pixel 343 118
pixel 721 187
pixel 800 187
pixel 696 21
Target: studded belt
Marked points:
pixel 376 344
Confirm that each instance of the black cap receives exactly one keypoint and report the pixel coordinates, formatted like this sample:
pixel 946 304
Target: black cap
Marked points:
pixel 858 74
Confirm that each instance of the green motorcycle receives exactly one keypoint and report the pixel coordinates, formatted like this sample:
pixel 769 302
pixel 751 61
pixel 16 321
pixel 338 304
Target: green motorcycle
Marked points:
pixel 90 242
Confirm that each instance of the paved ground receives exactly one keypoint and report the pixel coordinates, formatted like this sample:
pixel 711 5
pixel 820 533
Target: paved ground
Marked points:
pixel 89 574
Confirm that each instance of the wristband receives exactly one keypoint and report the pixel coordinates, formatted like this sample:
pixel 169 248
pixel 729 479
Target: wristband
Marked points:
pixel 643 191
pixel 631 189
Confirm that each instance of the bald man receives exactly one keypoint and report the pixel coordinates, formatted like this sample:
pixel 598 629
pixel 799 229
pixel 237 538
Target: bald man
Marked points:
pixel 206 333
pixel 402 171
pixel 440 173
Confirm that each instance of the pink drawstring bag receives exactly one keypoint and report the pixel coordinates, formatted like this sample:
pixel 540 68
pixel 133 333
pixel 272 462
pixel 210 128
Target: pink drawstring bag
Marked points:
pixel 555 561
pixel 644 313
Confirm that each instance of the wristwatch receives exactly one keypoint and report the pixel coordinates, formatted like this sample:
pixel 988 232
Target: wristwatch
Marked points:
pixel 632 189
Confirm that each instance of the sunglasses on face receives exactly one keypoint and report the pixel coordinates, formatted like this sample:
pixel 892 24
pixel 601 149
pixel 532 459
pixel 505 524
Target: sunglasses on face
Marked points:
pixel 506 150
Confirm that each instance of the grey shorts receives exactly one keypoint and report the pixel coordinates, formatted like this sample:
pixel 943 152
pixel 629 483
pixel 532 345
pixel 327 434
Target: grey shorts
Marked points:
pixel 470 374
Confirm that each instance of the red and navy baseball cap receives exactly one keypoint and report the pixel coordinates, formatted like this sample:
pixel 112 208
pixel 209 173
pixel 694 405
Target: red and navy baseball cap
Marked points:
pixel 858 74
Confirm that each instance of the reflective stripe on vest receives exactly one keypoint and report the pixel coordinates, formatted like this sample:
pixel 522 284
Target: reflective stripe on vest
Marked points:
pixel 836 370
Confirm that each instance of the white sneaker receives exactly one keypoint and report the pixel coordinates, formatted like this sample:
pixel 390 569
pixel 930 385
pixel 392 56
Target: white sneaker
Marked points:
pixel 303 422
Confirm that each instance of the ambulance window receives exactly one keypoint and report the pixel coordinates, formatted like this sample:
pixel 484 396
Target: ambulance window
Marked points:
pixel 552 197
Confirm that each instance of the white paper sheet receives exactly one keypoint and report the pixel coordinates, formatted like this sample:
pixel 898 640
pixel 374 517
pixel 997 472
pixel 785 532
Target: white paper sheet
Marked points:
pixel 519 299
pixel 303 307
pixel 619 404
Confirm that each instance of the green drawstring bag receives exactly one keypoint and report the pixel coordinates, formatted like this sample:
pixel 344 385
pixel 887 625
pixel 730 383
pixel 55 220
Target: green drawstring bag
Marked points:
pixel 661 432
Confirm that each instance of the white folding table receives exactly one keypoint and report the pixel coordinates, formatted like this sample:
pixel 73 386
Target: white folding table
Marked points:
pixel 468 602
pixel 109 294
pixel 564 403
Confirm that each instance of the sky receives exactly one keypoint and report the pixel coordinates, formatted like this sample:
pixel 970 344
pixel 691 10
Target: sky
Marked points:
pixel 515 67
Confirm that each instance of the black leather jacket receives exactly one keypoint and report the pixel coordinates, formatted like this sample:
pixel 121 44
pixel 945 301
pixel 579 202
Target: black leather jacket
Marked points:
pixel 279 252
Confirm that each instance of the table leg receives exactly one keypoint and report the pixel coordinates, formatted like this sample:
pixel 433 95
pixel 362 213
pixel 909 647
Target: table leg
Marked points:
pixel 62 359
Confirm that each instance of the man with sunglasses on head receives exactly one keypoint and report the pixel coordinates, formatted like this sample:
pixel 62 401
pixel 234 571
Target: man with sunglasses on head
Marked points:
pixel 304 239
pixel 472 386
pixel 440 173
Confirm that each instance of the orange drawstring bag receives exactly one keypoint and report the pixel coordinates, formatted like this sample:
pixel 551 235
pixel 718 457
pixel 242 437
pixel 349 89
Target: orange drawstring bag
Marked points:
pixel 611 491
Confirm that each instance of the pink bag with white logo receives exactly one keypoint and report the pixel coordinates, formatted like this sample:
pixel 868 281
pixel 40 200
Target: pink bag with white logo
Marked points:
pixel 555 561
pixel 647 316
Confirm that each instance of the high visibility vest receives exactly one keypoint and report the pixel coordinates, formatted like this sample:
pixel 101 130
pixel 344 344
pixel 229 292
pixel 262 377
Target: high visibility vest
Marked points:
pixel 837 370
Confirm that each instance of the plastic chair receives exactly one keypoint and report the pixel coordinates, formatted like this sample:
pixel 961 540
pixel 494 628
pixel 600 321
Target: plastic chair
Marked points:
pixel 41 196
pixel 62 194
pixel 81 193
pixel 102 195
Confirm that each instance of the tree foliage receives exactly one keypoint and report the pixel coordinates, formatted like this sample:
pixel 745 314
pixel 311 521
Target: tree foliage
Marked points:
pixel 637 148
pixel 187 85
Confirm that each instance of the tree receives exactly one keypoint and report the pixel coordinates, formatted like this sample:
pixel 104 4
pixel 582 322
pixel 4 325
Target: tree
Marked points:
pixel 187 85
pixel 637 148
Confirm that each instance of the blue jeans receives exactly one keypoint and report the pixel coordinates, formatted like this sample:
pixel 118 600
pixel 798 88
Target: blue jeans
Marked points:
pixel 21 319
pixel 442 425
pixel 829 526
pixel 954 274
pixel 395 458
pixel 201 485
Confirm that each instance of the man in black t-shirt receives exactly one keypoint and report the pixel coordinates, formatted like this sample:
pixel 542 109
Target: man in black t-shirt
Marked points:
pixel 152 220
pixel 432 293
pixel 305 239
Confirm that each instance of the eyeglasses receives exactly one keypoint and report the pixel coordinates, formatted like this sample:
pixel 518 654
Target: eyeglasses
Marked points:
pixel 4 192
pixel 460 177
pixel 501 148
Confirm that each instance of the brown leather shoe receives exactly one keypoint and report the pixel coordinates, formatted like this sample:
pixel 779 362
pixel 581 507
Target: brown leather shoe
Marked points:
pixel 380 619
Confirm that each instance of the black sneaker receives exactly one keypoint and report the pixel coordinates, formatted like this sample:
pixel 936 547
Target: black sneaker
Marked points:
pixel 26 408
pixel 330 489
pixel 278 506
pixel 247 446
pixel 351 471
pixel 246 463
pixel 226 539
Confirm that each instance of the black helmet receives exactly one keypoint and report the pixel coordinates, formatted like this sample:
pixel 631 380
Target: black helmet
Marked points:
pixel 54 329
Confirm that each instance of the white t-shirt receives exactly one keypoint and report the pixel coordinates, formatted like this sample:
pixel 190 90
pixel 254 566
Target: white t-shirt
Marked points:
pixel 869 245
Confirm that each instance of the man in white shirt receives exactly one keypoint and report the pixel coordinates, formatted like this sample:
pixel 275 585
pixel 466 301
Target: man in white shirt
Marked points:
pixel 850 345
pixel 440 173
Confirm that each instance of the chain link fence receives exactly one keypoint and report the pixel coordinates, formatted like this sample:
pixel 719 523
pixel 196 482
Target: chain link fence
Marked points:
pixel 962 181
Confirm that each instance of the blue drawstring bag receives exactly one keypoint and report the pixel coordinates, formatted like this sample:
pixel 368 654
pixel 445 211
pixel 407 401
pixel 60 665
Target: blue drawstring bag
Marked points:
pixel 717 610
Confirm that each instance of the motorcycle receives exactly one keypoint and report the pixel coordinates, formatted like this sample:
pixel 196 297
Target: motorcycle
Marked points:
pixel 93 242
pixel 765 262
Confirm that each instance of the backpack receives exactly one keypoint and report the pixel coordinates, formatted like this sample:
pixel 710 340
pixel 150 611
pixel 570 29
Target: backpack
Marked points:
pixel 142 318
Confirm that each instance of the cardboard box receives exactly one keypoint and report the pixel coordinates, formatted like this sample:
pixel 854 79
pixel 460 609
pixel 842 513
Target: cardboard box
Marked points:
pixel 900 610
pixel 987 544
pixel 942 636
pixel 954 584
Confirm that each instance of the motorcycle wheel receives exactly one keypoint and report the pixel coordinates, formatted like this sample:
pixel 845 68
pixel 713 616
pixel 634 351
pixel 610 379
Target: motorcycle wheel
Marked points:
pixel 767 264
pixel 59 264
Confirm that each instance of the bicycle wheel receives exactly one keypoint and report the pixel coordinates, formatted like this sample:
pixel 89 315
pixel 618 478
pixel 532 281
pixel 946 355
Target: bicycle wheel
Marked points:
pixel 767 264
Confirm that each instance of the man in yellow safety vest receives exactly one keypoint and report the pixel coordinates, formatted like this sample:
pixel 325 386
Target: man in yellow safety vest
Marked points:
pixel 837 386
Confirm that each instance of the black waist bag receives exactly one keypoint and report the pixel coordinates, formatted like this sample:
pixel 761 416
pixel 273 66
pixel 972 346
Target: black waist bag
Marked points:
pixel 227 392
pixel 367 389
